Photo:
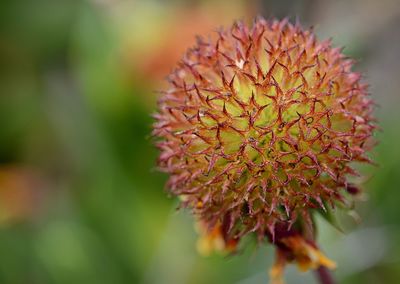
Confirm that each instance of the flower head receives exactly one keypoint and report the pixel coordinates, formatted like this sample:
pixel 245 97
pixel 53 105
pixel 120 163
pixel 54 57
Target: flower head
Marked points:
pixel 260 125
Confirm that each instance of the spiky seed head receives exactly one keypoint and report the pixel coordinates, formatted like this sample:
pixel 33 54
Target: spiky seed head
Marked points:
pixel 261 124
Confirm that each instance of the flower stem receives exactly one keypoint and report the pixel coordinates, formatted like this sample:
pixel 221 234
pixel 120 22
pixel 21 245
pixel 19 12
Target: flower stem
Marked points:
pixel 324 276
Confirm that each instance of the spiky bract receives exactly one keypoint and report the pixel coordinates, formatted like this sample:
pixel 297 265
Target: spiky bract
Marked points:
pixel 260 125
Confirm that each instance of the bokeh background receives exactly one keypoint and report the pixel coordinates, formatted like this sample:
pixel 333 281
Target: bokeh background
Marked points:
pixel 80 198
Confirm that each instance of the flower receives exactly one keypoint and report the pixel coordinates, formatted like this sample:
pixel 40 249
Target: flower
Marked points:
pixel 214 239
pixel 259 127
pixel 304 253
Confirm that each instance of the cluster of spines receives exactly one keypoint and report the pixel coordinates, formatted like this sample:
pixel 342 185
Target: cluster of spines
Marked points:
pixel 260 125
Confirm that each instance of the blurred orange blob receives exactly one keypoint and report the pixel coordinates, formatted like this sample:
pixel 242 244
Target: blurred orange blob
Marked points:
pixel 177 32
pixel 214 240
pixel 21 192
pixel 297 250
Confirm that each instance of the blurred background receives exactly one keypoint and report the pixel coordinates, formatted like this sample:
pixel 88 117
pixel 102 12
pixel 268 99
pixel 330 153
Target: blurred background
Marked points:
pixel 80 198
